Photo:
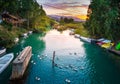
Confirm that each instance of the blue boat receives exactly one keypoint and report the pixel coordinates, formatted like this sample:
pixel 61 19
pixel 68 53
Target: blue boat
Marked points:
pixel 5 61
pixel 2 51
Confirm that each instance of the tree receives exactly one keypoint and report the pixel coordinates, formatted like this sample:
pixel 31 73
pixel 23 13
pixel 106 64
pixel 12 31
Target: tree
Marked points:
pixel 103 19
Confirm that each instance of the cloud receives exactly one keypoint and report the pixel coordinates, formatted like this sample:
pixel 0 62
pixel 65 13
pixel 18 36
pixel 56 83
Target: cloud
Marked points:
pixel 76 8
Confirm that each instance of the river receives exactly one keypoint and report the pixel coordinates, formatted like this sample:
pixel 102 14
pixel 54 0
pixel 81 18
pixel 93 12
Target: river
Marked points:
pixel 77 61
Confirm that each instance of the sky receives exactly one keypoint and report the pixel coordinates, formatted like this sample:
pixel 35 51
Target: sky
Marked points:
pixel 74 8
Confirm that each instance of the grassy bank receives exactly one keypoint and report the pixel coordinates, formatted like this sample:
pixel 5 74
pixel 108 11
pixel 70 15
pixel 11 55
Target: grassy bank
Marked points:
pixel 7 36
pixel 77 26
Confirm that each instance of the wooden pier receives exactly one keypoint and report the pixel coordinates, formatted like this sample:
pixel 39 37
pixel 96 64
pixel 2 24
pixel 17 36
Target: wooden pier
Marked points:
pixel 20 63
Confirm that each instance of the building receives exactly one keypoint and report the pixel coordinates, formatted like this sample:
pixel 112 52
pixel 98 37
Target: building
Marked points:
pixel 15 21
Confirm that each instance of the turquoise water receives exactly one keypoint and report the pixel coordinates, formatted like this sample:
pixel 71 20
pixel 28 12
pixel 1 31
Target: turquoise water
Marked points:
pixel 77 61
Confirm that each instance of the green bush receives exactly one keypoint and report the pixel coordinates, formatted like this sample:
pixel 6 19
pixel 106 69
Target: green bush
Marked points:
pixel 7 25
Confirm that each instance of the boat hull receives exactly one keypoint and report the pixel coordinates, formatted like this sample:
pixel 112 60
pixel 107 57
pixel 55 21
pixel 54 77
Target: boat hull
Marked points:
pixel 5 61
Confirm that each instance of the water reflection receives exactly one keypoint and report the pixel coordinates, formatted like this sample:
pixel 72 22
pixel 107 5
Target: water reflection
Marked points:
pixel 76 61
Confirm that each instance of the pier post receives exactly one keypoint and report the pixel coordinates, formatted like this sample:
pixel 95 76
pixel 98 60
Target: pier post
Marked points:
pixel 53 60
pixel 20 63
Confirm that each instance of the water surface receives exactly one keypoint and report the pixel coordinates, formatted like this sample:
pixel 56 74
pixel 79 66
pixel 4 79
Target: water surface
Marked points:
pixel 80 62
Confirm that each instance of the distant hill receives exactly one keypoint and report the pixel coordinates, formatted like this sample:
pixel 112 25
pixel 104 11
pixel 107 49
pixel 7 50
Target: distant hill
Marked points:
pixel 57 18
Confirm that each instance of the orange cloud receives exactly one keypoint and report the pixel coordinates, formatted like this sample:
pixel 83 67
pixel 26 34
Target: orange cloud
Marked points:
pixel 83 17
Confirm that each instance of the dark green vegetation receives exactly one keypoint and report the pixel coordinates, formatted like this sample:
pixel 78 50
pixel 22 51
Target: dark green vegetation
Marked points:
pixel 104 19
pixel 66 20
pixel 31 11
pixel 7 37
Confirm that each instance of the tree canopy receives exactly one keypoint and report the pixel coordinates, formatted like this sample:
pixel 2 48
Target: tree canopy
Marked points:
pixel 104 19
pixel 26 9
pixel 30 11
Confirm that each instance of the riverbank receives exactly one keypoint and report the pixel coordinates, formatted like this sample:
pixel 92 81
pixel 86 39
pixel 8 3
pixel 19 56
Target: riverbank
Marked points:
pixel 76 27
pixel 8 38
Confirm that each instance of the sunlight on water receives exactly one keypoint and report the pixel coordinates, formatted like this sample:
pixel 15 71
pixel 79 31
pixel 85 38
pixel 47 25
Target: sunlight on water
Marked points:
pixel 56 40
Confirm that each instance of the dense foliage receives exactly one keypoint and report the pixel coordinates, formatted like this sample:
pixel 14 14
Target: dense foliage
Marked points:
pixel 29 10
pixel 7 36
pixel 104 19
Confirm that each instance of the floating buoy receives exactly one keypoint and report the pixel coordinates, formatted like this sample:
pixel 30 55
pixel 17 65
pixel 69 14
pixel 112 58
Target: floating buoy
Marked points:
pixel 71 66
pixel 16 53
pixel 38 55
pixel 37 78
pixel 32 61
pixel 60 67
pixel 40 58
pixel 66 67
pixel 67 80
pixel 45 54
pixel 75 69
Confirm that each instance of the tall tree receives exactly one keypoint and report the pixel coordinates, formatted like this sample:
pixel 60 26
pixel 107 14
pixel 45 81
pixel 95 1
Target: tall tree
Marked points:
pixel 103 18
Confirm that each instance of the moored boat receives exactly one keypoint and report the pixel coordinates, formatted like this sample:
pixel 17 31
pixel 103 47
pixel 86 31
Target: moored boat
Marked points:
pixel 85 39
pixel 77 36
pixel 2 51
pixel 5 61
pixel 25 35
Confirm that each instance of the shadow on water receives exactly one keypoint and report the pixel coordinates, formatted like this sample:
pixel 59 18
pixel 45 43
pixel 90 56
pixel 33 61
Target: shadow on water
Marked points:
pixel 102 64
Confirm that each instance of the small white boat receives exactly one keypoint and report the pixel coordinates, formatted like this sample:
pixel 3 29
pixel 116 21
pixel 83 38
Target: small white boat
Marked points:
pixel 2 51
pixel 25 35
pixel 5 61
pixel 30 32
pixel 77 36
pixel 85 39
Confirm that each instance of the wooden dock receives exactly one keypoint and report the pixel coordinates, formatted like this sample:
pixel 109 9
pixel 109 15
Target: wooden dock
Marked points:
pixel 20 63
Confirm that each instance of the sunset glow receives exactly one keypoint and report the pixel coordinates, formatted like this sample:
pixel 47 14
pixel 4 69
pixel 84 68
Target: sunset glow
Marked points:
pixel 76 8
pixel 83 17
